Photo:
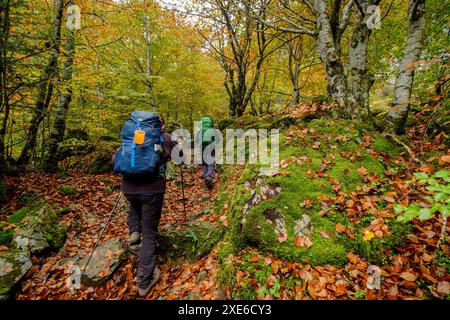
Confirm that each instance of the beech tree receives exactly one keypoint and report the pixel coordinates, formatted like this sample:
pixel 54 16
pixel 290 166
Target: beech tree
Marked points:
pixel 45 87
pixel 398 114
pixel 63 102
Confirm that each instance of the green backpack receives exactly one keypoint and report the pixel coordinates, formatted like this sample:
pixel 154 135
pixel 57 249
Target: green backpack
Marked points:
pixel 206 124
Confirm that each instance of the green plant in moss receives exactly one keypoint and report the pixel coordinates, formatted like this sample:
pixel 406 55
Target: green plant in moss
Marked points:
pixel 439 185
pixel 68 190
pixel 6 236
pixel 18 216
pixel 442 260
pixel 27 199
pixel 360 295
pixel 274 290
pixel 439 200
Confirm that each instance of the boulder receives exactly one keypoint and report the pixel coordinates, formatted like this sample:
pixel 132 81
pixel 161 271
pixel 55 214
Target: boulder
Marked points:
pixel 276 219
pixel 39 231
pixel 303 227
pixel 105 260
pixel 191 240
pixel 13 266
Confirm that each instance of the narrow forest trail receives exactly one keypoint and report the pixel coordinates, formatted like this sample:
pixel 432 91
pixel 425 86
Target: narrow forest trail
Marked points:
pixel 88 210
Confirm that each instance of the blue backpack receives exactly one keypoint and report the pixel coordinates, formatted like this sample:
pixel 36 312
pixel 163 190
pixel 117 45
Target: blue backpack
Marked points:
pixel 142 158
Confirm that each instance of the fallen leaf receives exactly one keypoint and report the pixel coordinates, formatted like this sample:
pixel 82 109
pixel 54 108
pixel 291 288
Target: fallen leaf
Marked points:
pixel 445 159
pixel 352 257
pixel 325 235
pixel 340 228
pixel 283 237
pixel 443 287
pixel 408 276
pixel 363 171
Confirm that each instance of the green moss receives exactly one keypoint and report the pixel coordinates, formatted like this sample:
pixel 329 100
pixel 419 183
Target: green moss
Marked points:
pixel 338 141
pixel 6 236
pixel 100 161
pixel 19 215
pixel 377 251
pixel 226 275
pixel 44 220
pixel 192 241
pixel 27 199
pixel 68 190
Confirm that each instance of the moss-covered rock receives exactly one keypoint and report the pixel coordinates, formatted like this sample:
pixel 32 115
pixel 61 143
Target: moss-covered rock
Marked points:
pixel 190 241
pixel 13 266
pixel 325 157
pixel 100 160
pixel 40 230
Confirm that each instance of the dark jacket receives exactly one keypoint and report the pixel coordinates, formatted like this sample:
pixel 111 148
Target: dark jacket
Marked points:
pixel 150 185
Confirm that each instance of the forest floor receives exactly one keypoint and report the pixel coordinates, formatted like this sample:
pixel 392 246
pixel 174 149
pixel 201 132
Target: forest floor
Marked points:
pixel 89 209
pixel 417 269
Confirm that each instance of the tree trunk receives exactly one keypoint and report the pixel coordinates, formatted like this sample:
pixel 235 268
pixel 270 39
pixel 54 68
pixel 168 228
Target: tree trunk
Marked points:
pixel 45 89
pixel 328 53
pixel 295 61
pixel 64 99
pixel 149 65
pixel 398 114
pixel 359 80
pixel 4 93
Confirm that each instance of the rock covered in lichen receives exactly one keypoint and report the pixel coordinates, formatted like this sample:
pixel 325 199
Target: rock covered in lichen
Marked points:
pixel 40 230
pixel 13 266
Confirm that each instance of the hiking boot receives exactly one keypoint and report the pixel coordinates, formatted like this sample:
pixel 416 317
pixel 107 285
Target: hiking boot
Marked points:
pixel 209 184
pixel 143 292
pixel 135 238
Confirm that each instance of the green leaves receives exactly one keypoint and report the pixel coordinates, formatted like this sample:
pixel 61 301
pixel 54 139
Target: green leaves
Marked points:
pixel 425 214
pixel 420 175
pixel 438 185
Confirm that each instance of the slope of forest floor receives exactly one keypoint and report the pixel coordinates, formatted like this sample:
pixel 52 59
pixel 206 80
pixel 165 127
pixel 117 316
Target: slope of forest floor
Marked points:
pixel 238 267
pixel 85 212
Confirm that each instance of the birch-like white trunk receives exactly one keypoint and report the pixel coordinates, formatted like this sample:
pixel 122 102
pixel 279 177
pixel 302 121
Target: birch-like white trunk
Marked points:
pixel 398 114
pixel 329 55
pixel 63 102
pixel 358 75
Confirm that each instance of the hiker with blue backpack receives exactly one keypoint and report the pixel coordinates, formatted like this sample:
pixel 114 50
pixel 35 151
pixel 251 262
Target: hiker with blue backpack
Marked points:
pixel 141 160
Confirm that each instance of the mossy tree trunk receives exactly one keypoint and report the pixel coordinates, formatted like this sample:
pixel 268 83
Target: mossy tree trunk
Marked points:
pixel 45 88
pixel 398 114
pixel 329 53
pixel 295 49
pixel 4 93
pixel 64 99
pixel 359 79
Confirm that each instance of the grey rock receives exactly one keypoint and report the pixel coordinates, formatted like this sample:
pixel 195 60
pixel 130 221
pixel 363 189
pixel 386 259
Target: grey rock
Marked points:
pixel 276 219
pixel 201 276
pixel 303 227
pixel 105 260
pixel 13 266
pixel 40 230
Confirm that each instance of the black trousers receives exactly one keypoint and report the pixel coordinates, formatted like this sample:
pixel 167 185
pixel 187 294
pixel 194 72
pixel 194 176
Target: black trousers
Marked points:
pixel 144 216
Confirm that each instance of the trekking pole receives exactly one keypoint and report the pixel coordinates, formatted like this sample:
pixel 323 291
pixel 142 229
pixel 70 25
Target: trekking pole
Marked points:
pixel 101 233
pixel 182 188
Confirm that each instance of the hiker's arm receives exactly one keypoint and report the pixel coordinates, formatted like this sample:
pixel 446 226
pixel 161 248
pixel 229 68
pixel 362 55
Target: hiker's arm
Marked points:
pixel 167 148
pixel 114 155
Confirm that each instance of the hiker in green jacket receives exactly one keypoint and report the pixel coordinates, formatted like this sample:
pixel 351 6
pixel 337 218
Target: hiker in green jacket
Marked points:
pixel 208 163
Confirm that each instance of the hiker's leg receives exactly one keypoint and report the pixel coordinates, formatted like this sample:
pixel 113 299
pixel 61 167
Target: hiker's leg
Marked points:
pixel 134 214
pixel 151 213
pixel 205 170
pixel 210 170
